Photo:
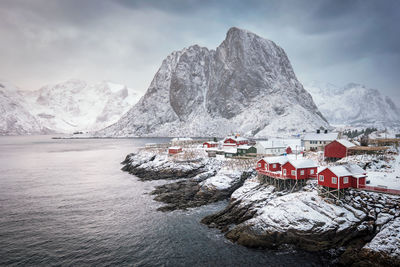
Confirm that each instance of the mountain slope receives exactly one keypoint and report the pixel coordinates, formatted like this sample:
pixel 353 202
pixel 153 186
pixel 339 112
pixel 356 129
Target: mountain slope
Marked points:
pixel 75 105
pixel 354 104
pixel 246 85
pixel 15 119
pixel 66 107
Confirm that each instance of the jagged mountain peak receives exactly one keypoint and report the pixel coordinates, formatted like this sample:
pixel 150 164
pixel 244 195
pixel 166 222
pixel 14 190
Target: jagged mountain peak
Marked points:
pixel 246 84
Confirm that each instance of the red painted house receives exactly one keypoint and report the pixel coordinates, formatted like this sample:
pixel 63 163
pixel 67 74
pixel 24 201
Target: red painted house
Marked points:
pixel 300 169
pixel 271 163
pixel 210 144
pixel 342 176
pixel 235 141
pixel 174 150
pixel 289 150
pixel 337 149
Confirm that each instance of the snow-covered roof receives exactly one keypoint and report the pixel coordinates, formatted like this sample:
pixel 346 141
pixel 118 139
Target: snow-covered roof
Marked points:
pixel 271 160
pixel 174 147
pixel 303 163
pixel 244 147
pixel 237 138
pixel 347 170
pixel 320 136
pixel 272 144
pixel 231 150
pixel 211 142
pixel 345 142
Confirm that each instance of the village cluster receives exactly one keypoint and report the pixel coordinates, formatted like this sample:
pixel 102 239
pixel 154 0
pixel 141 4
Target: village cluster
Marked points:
pixel 281 161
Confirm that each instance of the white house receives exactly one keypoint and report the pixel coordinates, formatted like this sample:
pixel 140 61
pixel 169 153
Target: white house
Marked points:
pixel 317 141
pixel 271 147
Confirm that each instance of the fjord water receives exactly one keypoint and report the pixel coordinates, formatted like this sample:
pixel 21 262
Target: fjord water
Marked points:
pixel 66 202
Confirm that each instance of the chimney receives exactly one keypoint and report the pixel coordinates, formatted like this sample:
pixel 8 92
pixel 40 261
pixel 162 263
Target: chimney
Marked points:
pixel 318 131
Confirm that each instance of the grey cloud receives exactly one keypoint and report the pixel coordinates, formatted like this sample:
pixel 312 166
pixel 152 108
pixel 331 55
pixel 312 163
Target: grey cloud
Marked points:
pixel 336 41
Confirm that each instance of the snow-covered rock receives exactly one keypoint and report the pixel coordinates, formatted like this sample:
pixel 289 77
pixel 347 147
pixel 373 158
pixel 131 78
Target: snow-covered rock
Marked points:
pixel 354 104
pixel 64 108
pixel 246 85
pixel 75 105
pixel 15 117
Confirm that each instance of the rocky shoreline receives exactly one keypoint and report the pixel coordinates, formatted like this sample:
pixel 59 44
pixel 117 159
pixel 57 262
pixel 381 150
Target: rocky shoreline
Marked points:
pixel 362 229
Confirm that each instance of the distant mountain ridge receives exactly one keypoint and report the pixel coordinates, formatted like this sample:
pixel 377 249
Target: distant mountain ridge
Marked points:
pixel 354 104
pixel 65 107
pixel 246 85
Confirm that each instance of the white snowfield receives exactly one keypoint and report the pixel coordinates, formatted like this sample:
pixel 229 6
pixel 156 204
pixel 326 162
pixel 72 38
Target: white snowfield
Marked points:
pixel 66 107
pixel 305 211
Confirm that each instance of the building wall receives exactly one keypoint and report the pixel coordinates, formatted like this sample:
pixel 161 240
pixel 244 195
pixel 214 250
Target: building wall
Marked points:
pixel 307 173
pixel 277 167
pixel 335 150
pixel 315 145
pixel 328 180
pixel 361 181
pixel 289 168
pixel 262 162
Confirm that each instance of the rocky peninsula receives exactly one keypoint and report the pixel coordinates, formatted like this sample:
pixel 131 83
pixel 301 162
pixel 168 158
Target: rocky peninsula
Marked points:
pixel 361 229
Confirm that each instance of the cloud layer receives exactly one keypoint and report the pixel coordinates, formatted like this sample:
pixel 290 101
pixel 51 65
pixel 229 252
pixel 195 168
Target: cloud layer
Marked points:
pixel 46 41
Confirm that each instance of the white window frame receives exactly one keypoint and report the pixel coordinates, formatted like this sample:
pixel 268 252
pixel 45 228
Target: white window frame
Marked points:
pixel 312 171
pixel 346 180
pixel 293 173
pixel 284 172
pixel 302 172
pixel 274 165
pixel 259 165
pixel 334 180
pixel 321 178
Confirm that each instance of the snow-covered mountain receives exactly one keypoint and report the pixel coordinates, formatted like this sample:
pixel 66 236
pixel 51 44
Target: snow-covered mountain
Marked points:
pixel 246 85
pixel 66 107
pixel 15 117
pixel 354 104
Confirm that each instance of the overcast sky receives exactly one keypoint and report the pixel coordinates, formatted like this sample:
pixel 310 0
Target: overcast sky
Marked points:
pixel 48 41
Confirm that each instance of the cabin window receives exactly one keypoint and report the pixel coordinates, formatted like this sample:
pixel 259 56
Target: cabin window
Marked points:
pixel 321 178
pixel 274 166
pixel 345 180
pixel 284 172
pixel 311 171
pixel 302 172
pixel 293 173
pixel 334 180
pixel 259 165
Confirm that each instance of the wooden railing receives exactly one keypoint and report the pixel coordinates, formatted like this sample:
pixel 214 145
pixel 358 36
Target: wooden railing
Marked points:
pixel 380 189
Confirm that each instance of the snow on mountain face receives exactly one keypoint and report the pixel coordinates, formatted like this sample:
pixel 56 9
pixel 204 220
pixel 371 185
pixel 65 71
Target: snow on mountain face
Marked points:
pixel 76 106
pixel 15 119
pixel 354 104
pixel 246 85
pixel 65 107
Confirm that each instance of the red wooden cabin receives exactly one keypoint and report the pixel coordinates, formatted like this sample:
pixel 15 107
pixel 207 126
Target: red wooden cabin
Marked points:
pixel 337 149
pixel 299 169
pixel 174 150
pixel 342 176
pixel 271 163
pixel 210 144
pixel 289 150
pixel 235 141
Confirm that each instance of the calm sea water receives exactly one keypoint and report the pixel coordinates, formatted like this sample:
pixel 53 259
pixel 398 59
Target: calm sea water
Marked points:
pixel 66 202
